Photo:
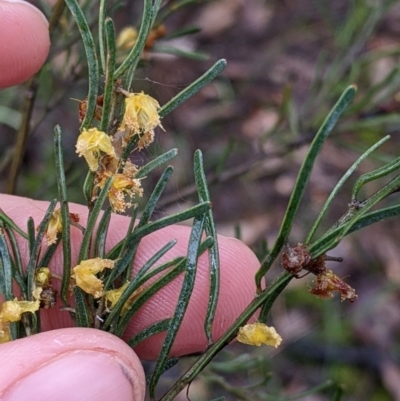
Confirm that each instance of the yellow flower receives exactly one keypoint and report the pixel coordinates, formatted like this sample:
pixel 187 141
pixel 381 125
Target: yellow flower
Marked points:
pixel 54 228
pixel 127 38
pixel 141 114
pixel 11 311
pixel 91 143
pixel 122 187
pixel 112 296
pixel 257 334
pixel 84 275
pixel 42 277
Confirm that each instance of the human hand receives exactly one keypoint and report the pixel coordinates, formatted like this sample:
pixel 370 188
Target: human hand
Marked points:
pixel 65 363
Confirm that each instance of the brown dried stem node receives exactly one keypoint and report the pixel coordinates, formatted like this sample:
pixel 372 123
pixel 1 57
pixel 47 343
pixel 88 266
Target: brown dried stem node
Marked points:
pixel 298 258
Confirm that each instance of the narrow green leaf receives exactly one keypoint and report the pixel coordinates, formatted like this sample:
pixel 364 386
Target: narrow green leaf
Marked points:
pixel 10 223
pixel 158 161
pixel 65 216
pixel 102 47
pixel 31 233
pixel 193 88
pixel 302 179
pixel 81 310
pixel 91 56
pixel 18 272
pixel 92 219
pixel 340 184
pixel 374 217
pixel 182 304
pixel 374 175
pixel 155 328
pixel 6 269
pixel 88 188
pixel 155 196
pixel 213 256
pixel 31 267
pixel 110 68
pixel 101 233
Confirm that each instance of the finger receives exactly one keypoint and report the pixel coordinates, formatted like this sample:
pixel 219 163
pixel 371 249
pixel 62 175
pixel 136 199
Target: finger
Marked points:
pixel 237 288
pixel 71 364
pixel 24 41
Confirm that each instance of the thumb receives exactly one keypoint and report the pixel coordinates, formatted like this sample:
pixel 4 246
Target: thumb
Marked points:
pixel 70 364
pixel 25 41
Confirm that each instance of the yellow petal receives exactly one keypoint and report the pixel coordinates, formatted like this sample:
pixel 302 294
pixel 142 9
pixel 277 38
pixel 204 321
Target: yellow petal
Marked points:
pixel 11 311
pixel 91 143
pixel 257 334
pixel 84 275
pixel 54 228
pixel 141 113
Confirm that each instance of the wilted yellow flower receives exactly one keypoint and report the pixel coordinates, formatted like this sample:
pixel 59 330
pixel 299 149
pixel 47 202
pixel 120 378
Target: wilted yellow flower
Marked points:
pixel 42 277
pixel 141 114
pixel 122 187
pixel 11 311
pixel 127 38
pixel 84 275
pixel 327 282
pixel 257 334
pixel 91 143
pixel 54 228
pixel 112 296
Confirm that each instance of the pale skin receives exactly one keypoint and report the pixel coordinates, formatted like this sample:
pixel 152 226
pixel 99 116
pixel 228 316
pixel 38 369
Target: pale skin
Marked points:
pixel 66 363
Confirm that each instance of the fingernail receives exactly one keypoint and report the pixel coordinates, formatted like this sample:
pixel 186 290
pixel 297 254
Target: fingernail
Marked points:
pixel 80 375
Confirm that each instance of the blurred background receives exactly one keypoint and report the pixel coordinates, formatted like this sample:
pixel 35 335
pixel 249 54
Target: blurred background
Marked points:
pixel 288 63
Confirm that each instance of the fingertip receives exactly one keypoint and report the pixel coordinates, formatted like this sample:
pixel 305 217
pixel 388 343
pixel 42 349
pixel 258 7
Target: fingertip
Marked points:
pixel 238 266
pixel 25 41
pixel 71 364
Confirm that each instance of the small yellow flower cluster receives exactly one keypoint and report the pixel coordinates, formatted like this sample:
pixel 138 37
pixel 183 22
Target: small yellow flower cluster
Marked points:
pixel 102 152
pixel 257 334
pixel 85 278
pixel 11 311
pixel 85 275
